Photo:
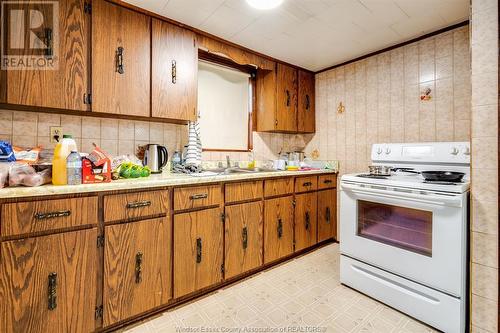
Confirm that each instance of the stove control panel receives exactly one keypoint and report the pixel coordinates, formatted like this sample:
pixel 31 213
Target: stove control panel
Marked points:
pixel 428 152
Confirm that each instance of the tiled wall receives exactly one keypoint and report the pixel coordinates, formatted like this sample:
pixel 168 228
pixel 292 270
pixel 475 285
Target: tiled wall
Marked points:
pixel 117 137
pixel 381 95
pixel 28 129
pixel 266 146
pixel 484 210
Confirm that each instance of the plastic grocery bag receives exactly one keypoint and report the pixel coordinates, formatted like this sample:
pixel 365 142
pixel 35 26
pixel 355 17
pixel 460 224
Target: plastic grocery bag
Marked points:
pixel 26 175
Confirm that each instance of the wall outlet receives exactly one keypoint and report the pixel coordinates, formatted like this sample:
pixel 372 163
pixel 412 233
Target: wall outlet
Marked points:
pixel 56 134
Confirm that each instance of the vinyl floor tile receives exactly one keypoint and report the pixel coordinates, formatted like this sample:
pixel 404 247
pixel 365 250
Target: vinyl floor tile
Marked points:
pixel 304 292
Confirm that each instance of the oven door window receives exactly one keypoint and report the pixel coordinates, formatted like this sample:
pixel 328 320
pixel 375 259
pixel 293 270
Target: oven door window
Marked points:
pixel 406 228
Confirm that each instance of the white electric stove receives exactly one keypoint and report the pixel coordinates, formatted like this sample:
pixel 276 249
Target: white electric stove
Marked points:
pixel 403 240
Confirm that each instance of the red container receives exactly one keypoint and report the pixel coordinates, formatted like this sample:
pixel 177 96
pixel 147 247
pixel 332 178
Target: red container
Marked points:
pixel 92 174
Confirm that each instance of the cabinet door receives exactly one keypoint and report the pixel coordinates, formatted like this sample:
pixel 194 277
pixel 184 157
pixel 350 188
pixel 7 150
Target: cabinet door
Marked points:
pixel 327 214
pixel 243 244
pixel 265 95
pixel 48 283
pixel 305 220
pixel 137 268
pixel 63 86
pixel 198 241
pixel 286 99
pixel 306 121
pixel 174 72
pixel 278 228
pixel 121 43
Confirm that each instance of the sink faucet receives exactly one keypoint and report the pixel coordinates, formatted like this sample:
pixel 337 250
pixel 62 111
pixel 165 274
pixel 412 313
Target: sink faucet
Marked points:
pixel 228 161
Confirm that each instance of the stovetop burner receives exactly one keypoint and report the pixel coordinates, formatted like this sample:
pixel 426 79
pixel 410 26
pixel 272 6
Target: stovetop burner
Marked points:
pixel 368 175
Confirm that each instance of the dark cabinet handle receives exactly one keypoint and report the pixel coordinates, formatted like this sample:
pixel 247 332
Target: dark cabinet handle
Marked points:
pixel 308 102
pixel 307 184
pixel 308 220
pixel 199 196
pixel 327 181
pixel 174 71
pixel 138 204
pixel 244 236
pixel 138 267
pixel 49 51
pixel 120 67
pixel 287 97
pixel 198 250
pixel 52 291
pixel 280 228
pixel 327 213
pixel 52 215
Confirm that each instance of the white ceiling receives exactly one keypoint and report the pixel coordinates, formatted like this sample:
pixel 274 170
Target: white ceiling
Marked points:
pixel 314 34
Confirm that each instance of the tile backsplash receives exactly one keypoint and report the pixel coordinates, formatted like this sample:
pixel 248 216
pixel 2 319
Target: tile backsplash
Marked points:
pixel 117 136
pixel 28 129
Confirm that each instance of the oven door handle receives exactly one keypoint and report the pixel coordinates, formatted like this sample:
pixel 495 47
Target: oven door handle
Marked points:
pixel 454 201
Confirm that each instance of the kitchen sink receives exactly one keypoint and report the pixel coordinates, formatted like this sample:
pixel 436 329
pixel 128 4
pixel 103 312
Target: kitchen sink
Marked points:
pixel 233 170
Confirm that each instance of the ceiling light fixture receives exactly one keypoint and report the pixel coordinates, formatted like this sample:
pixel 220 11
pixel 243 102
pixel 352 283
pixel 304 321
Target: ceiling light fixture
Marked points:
pixel 264 4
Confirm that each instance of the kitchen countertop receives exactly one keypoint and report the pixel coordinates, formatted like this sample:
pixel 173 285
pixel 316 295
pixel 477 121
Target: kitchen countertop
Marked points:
pixel 161 180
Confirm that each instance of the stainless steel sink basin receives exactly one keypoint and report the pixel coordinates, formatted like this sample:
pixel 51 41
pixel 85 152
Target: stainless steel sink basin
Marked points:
pixel 232 170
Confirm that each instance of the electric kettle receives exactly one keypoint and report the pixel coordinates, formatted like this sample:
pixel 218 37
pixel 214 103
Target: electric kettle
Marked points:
pixel 155 157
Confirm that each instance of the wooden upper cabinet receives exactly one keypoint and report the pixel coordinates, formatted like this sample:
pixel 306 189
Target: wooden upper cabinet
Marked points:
pixel 48 283
pixel 137 268
pixel 64 86
pixel 277 99
pixel 265 91
pixel 174 72
pixel 286 99
pixel 306 121
pixel 121 60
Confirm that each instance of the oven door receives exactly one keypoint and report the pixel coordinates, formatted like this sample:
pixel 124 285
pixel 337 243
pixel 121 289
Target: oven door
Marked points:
pixel 420 235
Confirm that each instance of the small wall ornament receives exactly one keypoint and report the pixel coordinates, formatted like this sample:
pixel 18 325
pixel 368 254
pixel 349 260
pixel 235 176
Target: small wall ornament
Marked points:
pixel 426 94
pixel 341 108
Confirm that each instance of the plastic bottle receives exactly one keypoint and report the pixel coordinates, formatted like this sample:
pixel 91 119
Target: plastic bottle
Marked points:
pixel 251 160
pixel 61 153
pixel 74 168
pixel 176 159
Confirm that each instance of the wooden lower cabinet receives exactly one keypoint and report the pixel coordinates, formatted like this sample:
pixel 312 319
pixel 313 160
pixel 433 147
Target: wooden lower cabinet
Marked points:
pixel 243 243
pixel 305 220
pixel 327 214
pixel 278 228
pixel 48 283
pixel 198 250
pixel 137 268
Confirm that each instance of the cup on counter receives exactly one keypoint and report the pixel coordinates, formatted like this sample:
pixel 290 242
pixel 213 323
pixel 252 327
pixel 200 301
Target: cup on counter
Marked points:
pixel 279 165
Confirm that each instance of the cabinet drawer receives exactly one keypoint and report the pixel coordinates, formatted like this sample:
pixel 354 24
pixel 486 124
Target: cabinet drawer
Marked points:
pixel 276 187
pixel 35 216
pixel 327 181
pixel 236 192
pixel 196 197
pixel 135 205
pixel 304 184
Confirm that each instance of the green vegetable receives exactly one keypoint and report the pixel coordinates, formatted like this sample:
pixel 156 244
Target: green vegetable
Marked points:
pixel 135 171
pixel 125 169
pixel 145 172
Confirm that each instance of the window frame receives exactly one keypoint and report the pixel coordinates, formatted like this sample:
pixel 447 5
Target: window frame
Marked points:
pixel 252 71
